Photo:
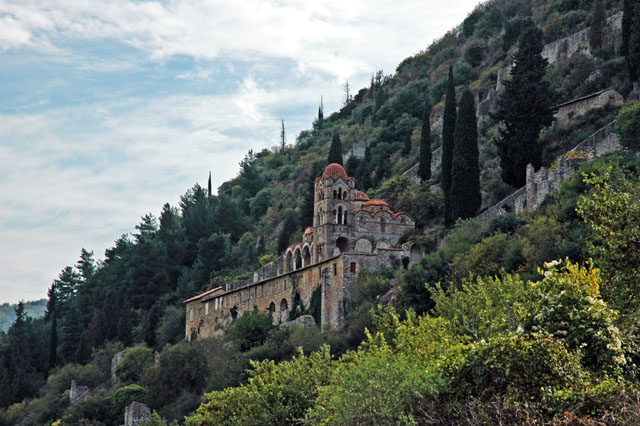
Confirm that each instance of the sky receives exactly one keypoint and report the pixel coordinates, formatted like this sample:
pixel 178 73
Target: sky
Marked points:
pixel 111 108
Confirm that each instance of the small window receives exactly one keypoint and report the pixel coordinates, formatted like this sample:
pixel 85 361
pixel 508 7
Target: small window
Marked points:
pixel 206 308
pixel 191 315
pixel 354 267
pixel 335 269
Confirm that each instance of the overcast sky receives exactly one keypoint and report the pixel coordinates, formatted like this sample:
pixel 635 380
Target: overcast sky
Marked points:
pixel 110 108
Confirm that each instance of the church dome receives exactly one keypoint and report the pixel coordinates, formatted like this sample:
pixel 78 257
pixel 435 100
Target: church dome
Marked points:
pixel 335 171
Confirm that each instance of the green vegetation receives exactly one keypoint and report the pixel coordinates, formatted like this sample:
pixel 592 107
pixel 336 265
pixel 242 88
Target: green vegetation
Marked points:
pixel 465 172
pixel 524 109
pixel 529 317
pixel 628 126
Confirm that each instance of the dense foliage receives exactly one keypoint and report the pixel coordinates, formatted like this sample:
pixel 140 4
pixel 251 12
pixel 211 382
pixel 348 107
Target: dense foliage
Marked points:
pixel 482 330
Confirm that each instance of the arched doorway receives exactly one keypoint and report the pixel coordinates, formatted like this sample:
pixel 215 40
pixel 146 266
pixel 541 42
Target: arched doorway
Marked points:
pixel 342 244
pixel 284 308
pixel 298 261
pixel 306 256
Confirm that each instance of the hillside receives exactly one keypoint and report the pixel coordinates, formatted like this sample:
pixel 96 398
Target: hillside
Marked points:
pixel 490 326
pixel 35 309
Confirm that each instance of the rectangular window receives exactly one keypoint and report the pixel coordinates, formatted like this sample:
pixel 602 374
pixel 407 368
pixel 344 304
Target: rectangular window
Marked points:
pixel 191 315
pixel 353 267
pixel 335 269
pixel 206 308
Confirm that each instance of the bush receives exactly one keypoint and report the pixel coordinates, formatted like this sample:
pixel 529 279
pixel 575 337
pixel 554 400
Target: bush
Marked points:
pixel 250 330
pixel 275 394
pixel 135 361
pixel 522 367
pixel 628 126
pixel 370 285
pixel 182 368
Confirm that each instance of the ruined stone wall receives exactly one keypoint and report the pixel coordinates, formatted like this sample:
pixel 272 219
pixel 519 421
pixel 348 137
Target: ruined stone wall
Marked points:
pixel 546 180
pixel 436 160
pixel 581 106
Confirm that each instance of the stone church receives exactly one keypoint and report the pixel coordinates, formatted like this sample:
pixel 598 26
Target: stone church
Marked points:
pixel 350 233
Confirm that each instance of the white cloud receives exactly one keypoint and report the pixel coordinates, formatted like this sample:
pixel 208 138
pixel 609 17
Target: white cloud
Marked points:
pixel 78 174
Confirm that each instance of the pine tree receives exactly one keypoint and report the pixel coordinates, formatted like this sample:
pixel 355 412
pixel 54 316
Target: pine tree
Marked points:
pixel 51 315
pixel 335 150
pixel 424 168
pixel 465 170
pixel 448 135
pixel 525 108
pixel 598 21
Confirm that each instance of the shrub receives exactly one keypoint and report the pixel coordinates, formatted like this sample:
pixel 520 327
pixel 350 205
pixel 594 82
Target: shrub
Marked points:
pixel 628 126
pixel 250 330
pixel 182 368
pixel 275 394
pixel 135 361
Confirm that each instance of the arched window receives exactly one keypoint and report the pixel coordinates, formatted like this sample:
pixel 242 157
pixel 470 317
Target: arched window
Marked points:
pixel 344 218
pixel 340 215
pixel 334 218
pixel 335 194
pixel 342 244
pixel 339 194
pixel 383 224
pixel 344 195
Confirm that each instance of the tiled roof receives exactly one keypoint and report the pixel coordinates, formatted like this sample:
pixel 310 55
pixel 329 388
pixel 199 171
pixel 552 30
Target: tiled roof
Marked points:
pixel 375 202
pixel 335 171
pixel 206 293
pixel 360 196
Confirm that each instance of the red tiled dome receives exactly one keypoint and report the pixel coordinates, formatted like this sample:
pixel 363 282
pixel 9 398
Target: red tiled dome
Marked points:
pixel 334 171
pixel 360 196
pixel 375 202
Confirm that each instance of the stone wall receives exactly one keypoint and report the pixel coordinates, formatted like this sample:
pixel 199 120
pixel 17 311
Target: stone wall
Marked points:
pixel 136 414
pixel 580 106
pixel 560 50
pixel 546 180
pixel 436 160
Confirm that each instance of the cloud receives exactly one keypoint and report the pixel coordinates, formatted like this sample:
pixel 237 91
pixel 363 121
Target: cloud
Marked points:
pixel 112 108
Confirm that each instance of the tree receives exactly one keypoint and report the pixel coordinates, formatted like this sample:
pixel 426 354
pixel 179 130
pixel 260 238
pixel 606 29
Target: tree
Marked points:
pixel 283 136
pixel 424 168
pixel 320 114
pixel 347 94
pixel 448 135
pixel 51 315
pixel 524 109
pixel 628 126
pixel 209 185
pixel 629 19
pixel 288 228
pixel 598 21
pixel 335 150
pixel 633 57
pixel 465 195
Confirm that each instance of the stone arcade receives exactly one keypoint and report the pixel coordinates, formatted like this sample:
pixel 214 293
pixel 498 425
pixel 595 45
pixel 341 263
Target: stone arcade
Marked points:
pixel 350 233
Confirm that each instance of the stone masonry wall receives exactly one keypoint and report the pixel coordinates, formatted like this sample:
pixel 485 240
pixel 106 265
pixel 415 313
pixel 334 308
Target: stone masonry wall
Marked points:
pixel 546 180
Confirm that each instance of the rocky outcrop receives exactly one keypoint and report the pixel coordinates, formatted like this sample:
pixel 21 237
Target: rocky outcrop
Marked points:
pixel 136 414
pixel 114 366
pixel 78 394
pixel 301 321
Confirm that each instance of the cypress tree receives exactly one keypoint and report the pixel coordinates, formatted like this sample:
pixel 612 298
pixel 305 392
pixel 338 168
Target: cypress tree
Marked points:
pixel 51 315
pixel 627 18
pixel 633 57
pixel 465 171
pixel 209 185
pixel 335 150
pixel 448 134
pixel 598 21
pixel 424 168
pixel 525 108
